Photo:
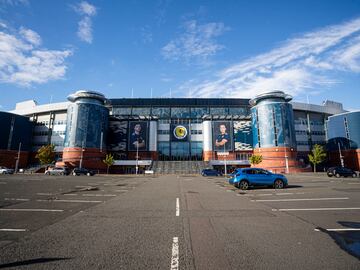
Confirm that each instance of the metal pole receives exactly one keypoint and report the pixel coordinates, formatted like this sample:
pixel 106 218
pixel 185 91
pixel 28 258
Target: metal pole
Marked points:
pixel 82 155
pixel 286 161
pixel 225 161
pixel 341 156
pixel 18 159
pixel 283 126
pixel 101 141
pixel 137 156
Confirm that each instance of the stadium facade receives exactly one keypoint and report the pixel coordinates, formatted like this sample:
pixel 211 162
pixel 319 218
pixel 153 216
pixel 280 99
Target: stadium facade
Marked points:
pixel 144 132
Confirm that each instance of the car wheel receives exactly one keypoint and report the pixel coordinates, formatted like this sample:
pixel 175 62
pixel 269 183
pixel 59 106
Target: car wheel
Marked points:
pixel 88 174
pixel 279 184
pixel 337 175
pixel 354 175
pixel 47 173
pixel 244 185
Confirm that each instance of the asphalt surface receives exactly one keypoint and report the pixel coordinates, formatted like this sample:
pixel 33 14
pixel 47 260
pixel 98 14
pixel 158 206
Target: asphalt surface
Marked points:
pixel 177 222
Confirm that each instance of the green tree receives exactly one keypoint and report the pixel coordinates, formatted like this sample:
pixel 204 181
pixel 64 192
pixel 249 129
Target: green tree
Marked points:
pixel 109 161
pixel 317 155
pixel 255 159
pixel 46 154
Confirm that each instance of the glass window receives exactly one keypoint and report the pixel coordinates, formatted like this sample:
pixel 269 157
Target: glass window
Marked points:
pixel 198 112
pixel 196 132
pixel 164 121
pixel 164 150
pixel 243 111
pixel 196 150
pixel 180 150
pixel 180 121
pixel 163 132
pixel 141 111
pixel 121 111
pixel 162 112
pixel 218 111
pixel 180 112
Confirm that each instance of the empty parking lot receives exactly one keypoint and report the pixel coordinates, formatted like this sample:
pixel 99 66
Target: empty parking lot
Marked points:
pixel 177 222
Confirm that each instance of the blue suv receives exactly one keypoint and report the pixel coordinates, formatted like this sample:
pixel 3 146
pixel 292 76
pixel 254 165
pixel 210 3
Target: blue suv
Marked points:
pixel 243 178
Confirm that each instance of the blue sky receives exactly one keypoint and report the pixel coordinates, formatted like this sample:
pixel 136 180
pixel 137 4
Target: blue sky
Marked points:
pixel 49 49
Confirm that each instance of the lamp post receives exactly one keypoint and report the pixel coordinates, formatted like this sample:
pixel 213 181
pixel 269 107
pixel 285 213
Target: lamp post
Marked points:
pixel 283 109
pixel 18 159
pixel 137 156
pixel 286 160
pixel 225 161
pixel 101 141
pixel 82 155
pixel 341 156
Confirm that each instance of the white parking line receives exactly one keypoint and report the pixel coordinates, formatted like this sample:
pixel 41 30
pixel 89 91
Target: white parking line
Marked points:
pixel 317 209
pixel 30 210
pixel 3 183
pixel 280 194
pixel 16 199
pixel 13 230
pixel 340 230
pixel 175 254
pixel 297 200
pixel 70 194
pixel 99 195
pixel 70 201
pixel 44 194
pixel 177 207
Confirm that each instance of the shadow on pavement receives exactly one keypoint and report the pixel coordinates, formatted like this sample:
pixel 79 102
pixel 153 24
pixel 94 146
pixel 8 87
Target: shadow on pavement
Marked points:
pixel 349 241
pixel 32 261
pixel 294 186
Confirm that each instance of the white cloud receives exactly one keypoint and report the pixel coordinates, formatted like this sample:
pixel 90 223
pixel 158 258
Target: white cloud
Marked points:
pixel 196 42
pixel 299 64
pixel 86 10
pixel 22 62
pixel 85 30
pixel 30 36
pixel 14 2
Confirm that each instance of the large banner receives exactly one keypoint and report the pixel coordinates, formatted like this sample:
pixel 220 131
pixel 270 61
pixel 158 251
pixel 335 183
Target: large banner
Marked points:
pixel 138 136
pixel 243 139
pixel 222 136
pixel 117 135
pixel 179 132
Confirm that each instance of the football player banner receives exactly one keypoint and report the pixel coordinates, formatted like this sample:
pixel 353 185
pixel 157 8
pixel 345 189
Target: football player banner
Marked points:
pixel 222 136
pixel 138 136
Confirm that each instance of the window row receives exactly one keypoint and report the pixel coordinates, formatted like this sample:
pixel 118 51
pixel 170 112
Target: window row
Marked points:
pixel 304 132
pixel 180 112
pixel 305 122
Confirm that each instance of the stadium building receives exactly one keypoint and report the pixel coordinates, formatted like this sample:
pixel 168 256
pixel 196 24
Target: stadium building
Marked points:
pixel 174 135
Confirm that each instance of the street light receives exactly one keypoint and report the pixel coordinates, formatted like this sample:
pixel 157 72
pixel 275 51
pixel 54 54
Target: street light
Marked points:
pixel 225 160
pixel 18 159
pixel 341 156
pixel 137 156
pixel 82 155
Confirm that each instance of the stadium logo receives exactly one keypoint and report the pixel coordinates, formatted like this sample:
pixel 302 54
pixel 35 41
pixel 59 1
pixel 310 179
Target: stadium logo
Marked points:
pixel 180 132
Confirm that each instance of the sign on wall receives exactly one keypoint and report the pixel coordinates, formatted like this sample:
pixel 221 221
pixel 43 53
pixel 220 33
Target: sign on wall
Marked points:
pixel 179 132
pixel 117 135
pixel 222 136
pixel 243 139
pixel 138 136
